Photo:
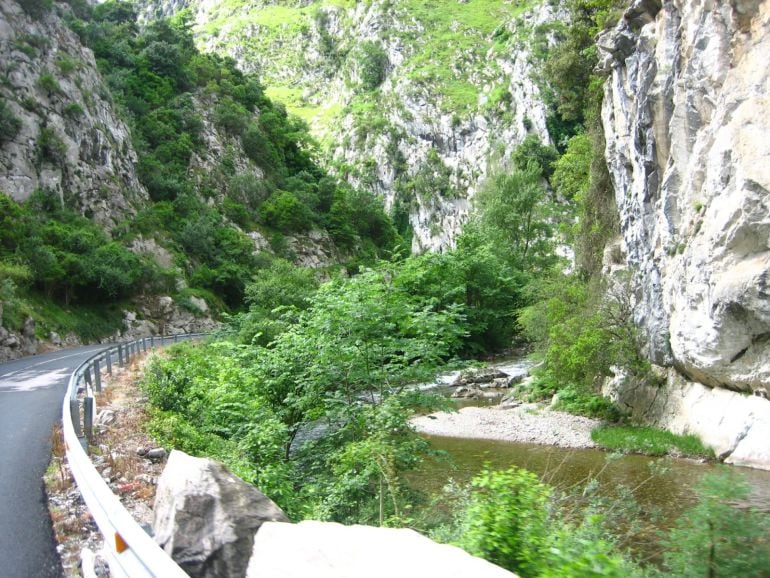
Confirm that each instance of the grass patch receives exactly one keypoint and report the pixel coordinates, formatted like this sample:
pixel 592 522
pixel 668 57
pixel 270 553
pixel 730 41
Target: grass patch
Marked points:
pixel 650 441
pixel 89 322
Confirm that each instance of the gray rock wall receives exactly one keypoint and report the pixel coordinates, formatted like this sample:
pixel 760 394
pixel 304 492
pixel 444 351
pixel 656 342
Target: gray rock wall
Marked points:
pixel 70 139
pixel 687 119
pixel 687 122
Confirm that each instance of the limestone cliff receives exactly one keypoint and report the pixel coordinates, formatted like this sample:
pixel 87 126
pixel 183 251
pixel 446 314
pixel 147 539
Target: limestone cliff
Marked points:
pixel 687 117
pixel 67 137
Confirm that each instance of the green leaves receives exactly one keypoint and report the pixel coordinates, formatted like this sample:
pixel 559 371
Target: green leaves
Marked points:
pixel 513 520
pixel 716 538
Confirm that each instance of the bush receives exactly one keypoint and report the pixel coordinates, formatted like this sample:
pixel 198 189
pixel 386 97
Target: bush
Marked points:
pixel 372 62
pixel 285 212
pixel 512 519
pixel 10 125
pixel 532 150
pixel 73 110
pixel 50 147
pixel 571 175
pixel 717 539
pixel 48 83
pixel 584 330
pixel 573 400
pixel 231 117
pixel 507 520
pixel 36 8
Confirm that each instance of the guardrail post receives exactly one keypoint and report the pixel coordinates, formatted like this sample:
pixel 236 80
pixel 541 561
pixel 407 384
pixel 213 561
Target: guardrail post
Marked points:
pixel 120 355
pixel 109 362
pixel 75 414
pixel 144 344
pixel 87 375
pixel 97 375
pixel 89 408
pixel 152 342
pixel 176 337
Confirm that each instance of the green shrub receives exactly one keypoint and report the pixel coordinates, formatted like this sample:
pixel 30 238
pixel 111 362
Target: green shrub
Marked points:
pixel 73 110
pixel 372 62
pixel 67 64
pixel 507 520
pixel 47 82
pixel 10 124
pixel 512 519
pixel 231 116
pixel 571 176
pixel 717 539
pixel 36 8
pixel 573 400
pixel 532 150
pixel 285 212
pixel 50 147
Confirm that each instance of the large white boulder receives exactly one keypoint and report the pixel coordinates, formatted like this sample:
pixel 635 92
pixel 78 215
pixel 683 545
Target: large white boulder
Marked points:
pixel 206 517
pixel 330 550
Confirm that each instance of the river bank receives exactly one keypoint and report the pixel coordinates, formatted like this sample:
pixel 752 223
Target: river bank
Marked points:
pixel 527 423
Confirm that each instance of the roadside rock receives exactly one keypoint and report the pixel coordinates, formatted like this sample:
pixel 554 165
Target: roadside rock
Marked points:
pixel 206 517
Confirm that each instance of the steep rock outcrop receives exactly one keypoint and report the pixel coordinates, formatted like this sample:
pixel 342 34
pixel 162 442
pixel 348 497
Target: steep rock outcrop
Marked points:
pixel 687 118
pixel 70 139
pixel 735 425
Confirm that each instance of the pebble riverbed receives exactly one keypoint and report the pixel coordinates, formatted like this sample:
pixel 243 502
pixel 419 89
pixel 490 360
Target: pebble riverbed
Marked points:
pixel 528 423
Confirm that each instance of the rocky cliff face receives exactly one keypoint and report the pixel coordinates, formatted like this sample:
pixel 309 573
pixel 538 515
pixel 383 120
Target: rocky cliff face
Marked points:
pixel 687 118
pixel 411 100
pixel 68 138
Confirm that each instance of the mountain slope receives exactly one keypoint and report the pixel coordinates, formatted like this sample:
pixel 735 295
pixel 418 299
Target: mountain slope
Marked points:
pixel 412 100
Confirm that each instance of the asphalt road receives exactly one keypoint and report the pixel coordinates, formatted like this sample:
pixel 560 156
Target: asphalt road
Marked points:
pixel 31 394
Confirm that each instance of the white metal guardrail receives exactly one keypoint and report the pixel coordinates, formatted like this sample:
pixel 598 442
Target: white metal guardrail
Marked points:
pixel 130 551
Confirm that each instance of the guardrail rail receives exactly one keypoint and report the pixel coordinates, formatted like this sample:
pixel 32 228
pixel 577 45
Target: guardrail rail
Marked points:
pixel 130 551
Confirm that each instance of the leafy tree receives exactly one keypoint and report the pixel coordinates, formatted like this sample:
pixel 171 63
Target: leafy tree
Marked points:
pixel 476 278
pixel 572 171
pixel 274 296
pixel 532 150
pixel 514 216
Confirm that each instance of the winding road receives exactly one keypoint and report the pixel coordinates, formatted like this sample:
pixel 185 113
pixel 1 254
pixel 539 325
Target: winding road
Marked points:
pixel 31 393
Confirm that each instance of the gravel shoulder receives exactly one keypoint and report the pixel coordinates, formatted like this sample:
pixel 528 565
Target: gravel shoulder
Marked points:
pixel 527 423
